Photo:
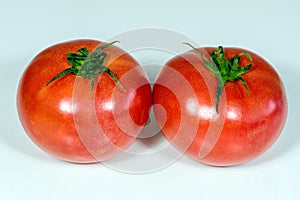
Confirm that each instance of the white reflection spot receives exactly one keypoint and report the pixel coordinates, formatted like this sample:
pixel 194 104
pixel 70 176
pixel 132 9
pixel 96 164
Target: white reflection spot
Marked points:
pixel 193 108
pixel 271 107
pixel 232 113
pixel 66 106
pixel 108 105
pixel 206 112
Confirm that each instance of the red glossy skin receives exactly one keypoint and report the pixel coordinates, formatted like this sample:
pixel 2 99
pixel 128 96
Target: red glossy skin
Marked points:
pixel 245 127
pixel 74 123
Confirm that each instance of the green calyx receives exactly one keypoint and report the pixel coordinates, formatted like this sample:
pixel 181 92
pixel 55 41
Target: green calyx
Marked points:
pixel 225 70
pixel 87 65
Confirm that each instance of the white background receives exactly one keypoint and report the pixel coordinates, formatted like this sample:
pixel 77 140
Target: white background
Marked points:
pixel 270 28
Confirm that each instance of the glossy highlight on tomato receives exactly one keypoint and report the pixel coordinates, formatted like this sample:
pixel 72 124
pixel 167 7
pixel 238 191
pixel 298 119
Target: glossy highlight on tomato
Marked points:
pixel 217 118
pixel 83 101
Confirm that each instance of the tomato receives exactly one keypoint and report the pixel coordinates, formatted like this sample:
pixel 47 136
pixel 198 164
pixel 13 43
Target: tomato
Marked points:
pixel 83 101
pixel 222 106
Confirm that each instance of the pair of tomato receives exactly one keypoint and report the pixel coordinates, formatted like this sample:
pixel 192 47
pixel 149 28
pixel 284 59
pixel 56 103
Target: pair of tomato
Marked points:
pixel 85 101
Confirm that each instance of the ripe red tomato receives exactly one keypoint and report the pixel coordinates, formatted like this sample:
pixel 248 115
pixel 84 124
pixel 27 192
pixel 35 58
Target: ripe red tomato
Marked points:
pixel 220 106
pixel 83 101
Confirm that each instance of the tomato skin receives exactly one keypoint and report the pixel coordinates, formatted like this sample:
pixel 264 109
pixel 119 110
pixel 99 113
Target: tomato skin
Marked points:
pixel 244 128
pixel 74 123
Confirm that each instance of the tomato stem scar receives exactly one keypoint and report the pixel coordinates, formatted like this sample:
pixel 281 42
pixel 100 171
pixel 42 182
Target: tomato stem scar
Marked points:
pixel 87 65
pixel 225 70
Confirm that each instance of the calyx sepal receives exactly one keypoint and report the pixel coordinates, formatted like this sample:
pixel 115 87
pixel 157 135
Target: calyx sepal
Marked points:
pixel 87 65
pixel 225 70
